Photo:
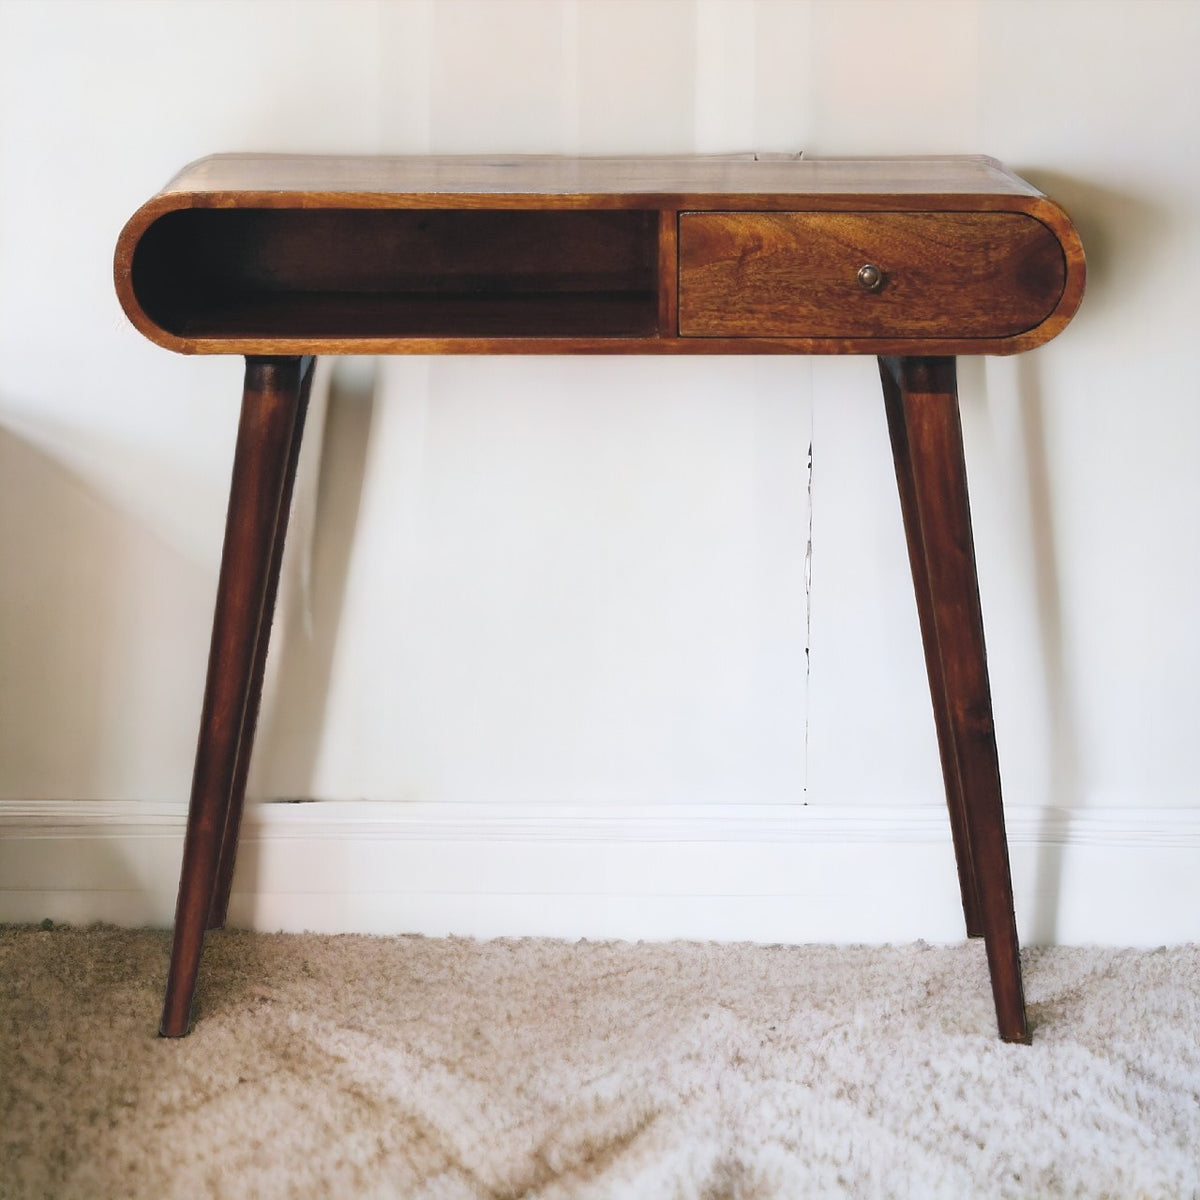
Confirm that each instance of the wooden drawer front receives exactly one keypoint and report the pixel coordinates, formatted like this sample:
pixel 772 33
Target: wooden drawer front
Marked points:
pixel 945 275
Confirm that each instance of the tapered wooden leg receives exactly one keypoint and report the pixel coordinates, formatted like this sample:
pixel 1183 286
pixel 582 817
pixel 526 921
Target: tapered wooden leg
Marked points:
pixel 927 439
pixel 237 797
pixel 894 405
pixel 270 404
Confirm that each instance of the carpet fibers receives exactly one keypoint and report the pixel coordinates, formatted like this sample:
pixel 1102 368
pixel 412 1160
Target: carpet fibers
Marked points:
pixel 449 1069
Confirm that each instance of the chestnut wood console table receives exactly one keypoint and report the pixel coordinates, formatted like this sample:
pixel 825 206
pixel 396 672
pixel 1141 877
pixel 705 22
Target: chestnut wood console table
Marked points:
pixel 281 258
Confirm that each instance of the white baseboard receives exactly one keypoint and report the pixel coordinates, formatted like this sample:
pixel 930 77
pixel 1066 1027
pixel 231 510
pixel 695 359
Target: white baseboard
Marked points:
pixel 765 873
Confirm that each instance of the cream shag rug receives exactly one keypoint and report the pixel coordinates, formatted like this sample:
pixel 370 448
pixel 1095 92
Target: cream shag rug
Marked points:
pixel 445 1068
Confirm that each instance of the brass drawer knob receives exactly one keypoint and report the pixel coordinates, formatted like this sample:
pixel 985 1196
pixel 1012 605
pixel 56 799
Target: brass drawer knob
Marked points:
pixel 871 277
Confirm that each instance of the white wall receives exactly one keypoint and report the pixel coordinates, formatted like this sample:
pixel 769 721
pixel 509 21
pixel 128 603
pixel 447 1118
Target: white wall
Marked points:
pixel 579 584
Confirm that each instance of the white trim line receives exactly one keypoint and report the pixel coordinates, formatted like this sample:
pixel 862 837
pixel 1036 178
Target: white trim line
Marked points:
pixel 1177 828
pixel 773 873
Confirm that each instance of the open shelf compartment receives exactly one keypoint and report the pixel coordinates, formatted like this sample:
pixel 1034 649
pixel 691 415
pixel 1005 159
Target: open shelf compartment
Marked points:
pixel 378 273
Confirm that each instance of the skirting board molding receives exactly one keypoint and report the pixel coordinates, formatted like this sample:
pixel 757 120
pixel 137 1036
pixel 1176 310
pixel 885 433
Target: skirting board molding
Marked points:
pixel 766 873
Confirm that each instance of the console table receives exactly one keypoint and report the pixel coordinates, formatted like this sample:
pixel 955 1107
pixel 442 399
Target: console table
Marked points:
pixel 280 258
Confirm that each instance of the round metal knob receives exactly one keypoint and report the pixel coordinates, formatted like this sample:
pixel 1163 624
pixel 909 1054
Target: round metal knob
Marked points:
pixel 870 277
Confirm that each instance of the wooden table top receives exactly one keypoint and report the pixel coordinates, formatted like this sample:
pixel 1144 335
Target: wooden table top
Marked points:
pixel 652 180
pixel 281 254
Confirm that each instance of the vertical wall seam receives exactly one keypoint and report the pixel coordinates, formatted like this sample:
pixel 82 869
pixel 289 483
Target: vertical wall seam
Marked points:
pixel 808 554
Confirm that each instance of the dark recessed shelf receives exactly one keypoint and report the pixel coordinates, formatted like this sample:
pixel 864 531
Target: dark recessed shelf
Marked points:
pixel 350 315
pixel 445 273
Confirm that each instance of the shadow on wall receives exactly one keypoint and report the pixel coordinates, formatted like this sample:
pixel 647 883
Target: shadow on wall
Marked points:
pixel 1121 233
pixel 289 739
pixel 1060 700
pixel 95 613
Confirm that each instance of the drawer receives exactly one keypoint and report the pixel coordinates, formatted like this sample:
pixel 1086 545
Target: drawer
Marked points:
pixel 941 274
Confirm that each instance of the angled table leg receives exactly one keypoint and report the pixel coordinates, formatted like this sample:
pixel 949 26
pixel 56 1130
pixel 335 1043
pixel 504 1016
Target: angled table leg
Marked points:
pixel 271 404
pixel 921 396
pixel 897 429
pixel 237 798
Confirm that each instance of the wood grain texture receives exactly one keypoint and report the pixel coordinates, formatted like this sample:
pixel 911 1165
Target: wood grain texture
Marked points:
pixel 925 403
pixel 286 255
pixel 910 513
pixel 270 405
pixel 987 275
pixel 668 273
pixel 372 178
